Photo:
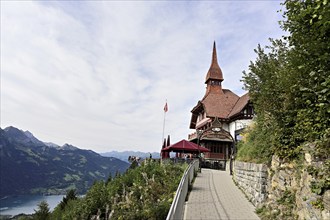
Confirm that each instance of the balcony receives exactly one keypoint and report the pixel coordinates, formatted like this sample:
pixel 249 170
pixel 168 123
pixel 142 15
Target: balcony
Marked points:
pixel 192 136
pixel 216 156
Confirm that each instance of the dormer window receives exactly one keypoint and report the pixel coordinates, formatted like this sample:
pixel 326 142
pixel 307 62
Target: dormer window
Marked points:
pixel 214 82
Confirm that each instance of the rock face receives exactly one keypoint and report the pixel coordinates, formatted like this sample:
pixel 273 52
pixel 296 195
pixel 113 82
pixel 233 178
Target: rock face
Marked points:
pixel 284 188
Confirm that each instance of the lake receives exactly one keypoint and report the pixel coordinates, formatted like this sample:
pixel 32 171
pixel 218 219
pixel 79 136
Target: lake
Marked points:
pixel 14 205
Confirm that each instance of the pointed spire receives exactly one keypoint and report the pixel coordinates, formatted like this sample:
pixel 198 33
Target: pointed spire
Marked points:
pixel 214 72
pixel 214 54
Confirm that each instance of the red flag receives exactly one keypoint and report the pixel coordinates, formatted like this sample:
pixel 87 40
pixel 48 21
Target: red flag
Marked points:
pixel 165 107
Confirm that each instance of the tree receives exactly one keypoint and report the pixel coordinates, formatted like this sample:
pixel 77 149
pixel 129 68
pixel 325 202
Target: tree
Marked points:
pixel 134 164
pixel 70 195
pixel 289 83
pixel 309 25
pixel 42 213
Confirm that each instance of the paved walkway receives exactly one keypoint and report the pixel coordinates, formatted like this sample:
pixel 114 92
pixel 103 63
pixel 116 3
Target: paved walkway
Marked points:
pixel 215 196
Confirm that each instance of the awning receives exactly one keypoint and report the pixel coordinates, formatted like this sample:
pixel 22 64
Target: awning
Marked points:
pixel 185 146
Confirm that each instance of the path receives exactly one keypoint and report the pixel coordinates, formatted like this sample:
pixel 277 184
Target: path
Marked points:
pixel 215 196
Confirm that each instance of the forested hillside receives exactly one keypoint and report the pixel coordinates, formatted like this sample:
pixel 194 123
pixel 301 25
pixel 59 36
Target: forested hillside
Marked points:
pixel 142 192
pixel 29 166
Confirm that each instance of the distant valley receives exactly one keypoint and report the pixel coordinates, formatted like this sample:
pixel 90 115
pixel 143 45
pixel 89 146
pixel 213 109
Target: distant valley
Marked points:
pixel 30 166
pixel 123 155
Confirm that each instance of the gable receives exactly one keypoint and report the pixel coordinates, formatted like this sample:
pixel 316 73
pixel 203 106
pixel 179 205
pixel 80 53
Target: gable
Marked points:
pixel 195 112
pixel 240 105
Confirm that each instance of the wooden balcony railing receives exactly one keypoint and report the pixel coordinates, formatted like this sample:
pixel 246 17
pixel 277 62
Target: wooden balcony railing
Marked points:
pixel 210 155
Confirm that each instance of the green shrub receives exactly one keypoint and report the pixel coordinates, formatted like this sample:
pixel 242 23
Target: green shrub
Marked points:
pixel 145 192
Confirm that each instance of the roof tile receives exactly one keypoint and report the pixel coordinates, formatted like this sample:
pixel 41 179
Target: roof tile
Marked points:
pixel 214 71
pixel 241 103
pixel 219 104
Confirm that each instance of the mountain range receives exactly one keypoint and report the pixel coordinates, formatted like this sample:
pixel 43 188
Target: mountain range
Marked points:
pixel 123 155
pixel 30 166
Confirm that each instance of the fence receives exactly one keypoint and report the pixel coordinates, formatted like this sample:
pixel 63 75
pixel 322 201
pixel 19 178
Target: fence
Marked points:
pixel 177 207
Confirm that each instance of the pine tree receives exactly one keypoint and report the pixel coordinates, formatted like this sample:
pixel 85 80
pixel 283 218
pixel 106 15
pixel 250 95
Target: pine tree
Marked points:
pixel 42 213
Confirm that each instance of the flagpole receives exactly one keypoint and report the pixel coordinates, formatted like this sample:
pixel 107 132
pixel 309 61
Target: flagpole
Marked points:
pixel 165 110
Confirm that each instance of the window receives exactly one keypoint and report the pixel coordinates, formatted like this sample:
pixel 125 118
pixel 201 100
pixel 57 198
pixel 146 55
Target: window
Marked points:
pixel 214 82
pixel 217 147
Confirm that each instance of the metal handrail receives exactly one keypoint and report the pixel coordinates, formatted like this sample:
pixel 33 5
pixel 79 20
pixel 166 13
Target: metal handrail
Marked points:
pixel 176 210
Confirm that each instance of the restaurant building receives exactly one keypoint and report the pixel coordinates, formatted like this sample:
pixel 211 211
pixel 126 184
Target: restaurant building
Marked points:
pixel 219 117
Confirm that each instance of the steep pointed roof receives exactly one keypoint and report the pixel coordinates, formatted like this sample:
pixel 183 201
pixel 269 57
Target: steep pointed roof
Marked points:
pixel 219 105
pixel 240 105
pixel 223 106
pixel 217 102
pixel 214 72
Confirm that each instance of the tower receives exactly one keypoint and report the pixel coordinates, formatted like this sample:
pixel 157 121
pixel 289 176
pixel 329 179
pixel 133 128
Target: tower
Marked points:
pixel 214 76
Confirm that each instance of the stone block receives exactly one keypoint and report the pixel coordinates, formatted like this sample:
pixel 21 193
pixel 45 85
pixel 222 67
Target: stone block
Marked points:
pixel 308 158
pixel 263 174
pixel 325 214
pixel 263 188
pixel 275 162
pixel 326 200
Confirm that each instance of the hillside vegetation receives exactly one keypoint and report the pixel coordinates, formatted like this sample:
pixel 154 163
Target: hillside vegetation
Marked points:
pixel 142 192
pixel 289 85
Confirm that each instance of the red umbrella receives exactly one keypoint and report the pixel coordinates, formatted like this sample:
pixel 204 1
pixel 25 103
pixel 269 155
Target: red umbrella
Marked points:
pixel 185 146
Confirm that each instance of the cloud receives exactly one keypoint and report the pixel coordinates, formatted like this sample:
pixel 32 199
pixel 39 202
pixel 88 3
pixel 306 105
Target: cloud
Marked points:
pixel 97 74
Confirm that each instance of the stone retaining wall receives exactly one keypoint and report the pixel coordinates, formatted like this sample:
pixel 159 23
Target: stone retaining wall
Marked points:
pixel 284 188
pixel 252 179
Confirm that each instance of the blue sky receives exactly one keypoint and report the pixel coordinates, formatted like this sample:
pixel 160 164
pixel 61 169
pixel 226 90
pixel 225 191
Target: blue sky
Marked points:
pixel 96 74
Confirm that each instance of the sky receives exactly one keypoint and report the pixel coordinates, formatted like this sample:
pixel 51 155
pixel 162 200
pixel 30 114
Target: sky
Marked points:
pixel 97 74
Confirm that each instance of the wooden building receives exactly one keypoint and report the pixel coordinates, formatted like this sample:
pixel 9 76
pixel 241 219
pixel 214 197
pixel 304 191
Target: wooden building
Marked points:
pixel 219 117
